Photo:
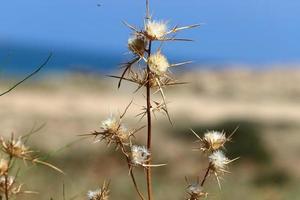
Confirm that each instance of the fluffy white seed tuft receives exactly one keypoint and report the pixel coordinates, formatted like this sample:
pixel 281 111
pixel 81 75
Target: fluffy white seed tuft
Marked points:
pixel 98 194
pixel 156 30
pixel 158 63
pixel 110 125
pixel 213 140
pixel 139 155
pixel 218 161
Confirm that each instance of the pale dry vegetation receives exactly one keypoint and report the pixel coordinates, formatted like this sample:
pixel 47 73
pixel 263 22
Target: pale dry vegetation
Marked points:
pixel 63 103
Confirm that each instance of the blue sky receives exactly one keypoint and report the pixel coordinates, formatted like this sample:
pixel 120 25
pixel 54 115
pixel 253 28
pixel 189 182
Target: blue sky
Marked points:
pixel 243 31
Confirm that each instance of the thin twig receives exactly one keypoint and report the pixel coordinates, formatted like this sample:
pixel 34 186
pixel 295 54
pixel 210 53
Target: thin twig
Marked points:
pixel 7 174
pixel 64 192
pixel 147 10
pixel 29 76
pixel 205 176
pixel 131 174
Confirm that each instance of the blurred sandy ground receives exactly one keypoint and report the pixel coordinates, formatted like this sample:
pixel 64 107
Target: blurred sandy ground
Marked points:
pixel 73 104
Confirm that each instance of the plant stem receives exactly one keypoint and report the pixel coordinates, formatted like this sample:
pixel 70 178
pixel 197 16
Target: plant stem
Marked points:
pixel 6 187
pixel 149 126
pixel 131 174
pixel 147 10
pixel 6 178
pixel 205 176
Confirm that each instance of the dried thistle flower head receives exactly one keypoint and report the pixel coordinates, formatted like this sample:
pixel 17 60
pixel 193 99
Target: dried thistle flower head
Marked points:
pixel 156 30
pixel 213 140
pixel 195 191
pixel 218 164
pixel 158 63
pixel 111 124
pixel 139 155
pixel 113 131
pixel 99 194
pixel 8 183
pixel 16 148
pixel 3 166
pixel 137 44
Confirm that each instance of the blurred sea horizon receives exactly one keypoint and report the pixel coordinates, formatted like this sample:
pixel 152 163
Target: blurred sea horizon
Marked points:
pixel 19 59
pixel 251 34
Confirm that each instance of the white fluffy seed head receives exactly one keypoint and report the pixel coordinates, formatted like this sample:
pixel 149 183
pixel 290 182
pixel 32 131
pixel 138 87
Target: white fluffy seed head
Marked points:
pixel 110 124
pixel 218 161
pixel 137 44
pixel 156 30
pixel 195 189
pixel 139 155
pixel 93 194
pixel 97 195
pixel 213 140
pixel 114 132
pixel 158 63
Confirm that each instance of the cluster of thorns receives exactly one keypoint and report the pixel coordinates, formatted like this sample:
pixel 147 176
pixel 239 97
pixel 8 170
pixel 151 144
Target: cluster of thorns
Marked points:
pixel 159 76
pixel 12 151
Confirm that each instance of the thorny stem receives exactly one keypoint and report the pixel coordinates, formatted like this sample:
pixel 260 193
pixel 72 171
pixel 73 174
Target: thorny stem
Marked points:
pixel 149 126
pixel 131 174
pixel 205 176
pixel 149 122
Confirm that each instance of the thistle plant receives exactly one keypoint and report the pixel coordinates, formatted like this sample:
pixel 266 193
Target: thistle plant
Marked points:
pixel 151 71
pixel 211 144
pixel 12 150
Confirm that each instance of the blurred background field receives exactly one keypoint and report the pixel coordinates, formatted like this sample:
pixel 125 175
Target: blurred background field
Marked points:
pixel 263 104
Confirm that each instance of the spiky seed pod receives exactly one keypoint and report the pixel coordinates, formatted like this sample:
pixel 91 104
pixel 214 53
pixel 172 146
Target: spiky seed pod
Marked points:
pixel 99 194
pixel 16 148
pixel 137 44
pixel 9 184
pixel 213 140
pixel 156 30
pixel 142 78
pixel 3 166
pixel 110 124
pixel 218 161
pixel 139 155
pixel 196 191
pixel 114 132
pixel 158 64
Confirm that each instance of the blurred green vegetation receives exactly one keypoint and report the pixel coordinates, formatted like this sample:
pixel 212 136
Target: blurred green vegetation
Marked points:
pixel 271 176
pixel 247 141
